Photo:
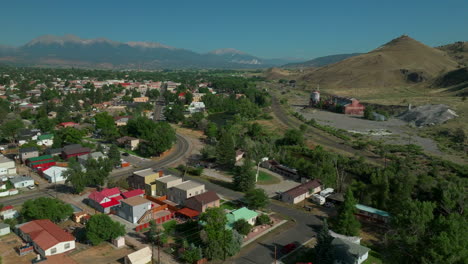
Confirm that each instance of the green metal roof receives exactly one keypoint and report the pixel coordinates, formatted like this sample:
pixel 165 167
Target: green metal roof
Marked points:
pixel 45 136
pixel 43 157
pixel 41 162
pixel 242 213
pixel 372 210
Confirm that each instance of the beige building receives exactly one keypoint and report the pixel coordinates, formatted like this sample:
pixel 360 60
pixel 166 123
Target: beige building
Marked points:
pixel 145 180
pixel 301 192
pixel 180 192
pixel 165 183
pixel 142 99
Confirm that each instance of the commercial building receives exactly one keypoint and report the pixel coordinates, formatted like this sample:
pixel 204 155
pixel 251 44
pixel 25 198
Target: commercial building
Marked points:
pixel 203 201
pixel 165 183
pixel 132 209
pixel 7 166
pixel 181 192
pixel 145 179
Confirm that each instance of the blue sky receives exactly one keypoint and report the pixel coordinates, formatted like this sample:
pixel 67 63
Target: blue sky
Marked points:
pixel 270 29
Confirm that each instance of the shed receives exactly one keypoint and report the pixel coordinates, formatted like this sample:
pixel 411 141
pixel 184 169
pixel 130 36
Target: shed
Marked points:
pixel 119 242
pixel 4 229
pixel 188 213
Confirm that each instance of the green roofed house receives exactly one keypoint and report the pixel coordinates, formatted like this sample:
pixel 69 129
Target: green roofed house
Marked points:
pixel 242 213
pixel 31 161
pixel 45 140
pixel 369 213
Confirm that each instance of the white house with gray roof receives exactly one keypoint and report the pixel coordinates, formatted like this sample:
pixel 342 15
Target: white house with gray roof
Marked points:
pixel 7 166
pixel 94 155
pixel 22 181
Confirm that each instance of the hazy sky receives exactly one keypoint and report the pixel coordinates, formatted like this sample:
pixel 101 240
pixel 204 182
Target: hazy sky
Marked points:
pixel 270 29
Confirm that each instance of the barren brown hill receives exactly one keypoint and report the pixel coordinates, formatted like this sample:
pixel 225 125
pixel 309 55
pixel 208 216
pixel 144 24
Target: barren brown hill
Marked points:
pixel 458 51
pixel 277 73
pixel 402 61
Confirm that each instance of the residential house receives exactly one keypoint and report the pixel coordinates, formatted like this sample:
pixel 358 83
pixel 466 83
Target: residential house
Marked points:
pixel 345 252
pixel 105 200
pixel 182 191
pixel 197 97
pixel 75 152
pixel 196 107
pixel 241 213
pixel 301 192
pixel 26 153
pixel 22 181
pixel 203 201
pixel 55 174
pixel 4 229
pixel 47 238
pixel 45 140
pixel 142 256
pixel 8 212
pixel 121 120
pixel 31 161
pixel 133 193
pixel 52 115
pixel 128 142
pixel 165 183
pixel 7 166
pixel 142 99
pixel 94 155
pixel 132 209
pixel 54 152
pixel 145 179
pixel 372 214
pixel 67 124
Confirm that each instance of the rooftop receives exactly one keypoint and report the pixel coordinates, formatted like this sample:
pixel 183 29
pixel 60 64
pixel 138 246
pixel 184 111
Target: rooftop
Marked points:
pixel 136 200
pixel 168 178
pixel 145 172
pixel 205 198
pixel 133 193
pixel 45 233
pixel 371 210
pixel 138 256
pixel 20 179
pixel 188 185
pixel 242 213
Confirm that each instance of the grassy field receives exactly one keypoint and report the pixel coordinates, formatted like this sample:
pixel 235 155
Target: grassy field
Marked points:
pixel 266 178
pixel 228 206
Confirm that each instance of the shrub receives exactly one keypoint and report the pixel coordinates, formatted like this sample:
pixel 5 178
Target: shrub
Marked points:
pixel 263 219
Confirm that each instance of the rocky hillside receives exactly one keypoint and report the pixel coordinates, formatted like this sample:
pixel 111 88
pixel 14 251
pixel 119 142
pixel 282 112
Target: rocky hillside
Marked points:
pixel 401 61
pixel 321 61
pixel 458 51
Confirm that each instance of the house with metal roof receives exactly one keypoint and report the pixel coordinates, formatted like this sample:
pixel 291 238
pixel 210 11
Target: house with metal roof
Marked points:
pixel 94 155
pixel 22 181
pixel 243 213
pixel 46 140
pixel 104 200
pixel 372 214
pixel 55 174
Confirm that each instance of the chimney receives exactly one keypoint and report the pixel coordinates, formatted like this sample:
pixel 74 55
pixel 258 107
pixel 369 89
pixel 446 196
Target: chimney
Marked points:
pixel 161 173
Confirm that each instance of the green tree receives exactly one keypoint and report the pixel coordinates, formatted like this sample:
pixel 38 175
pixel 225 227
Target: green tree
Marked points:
pixel 75 176
pixel 106 124
pixel 153 94
pixel 346 222
pixel 217 238
pixel 323 251
pixel 211 131
pixel 101 228
pixel 256 199
pixel 114 155
pixel 159 136
pixel 45 124
pixel 225 152
pixel 244 176
pixel 263 219
pixel 9 130
pixel 192 254
pixel 242 227
pixel 188 98
pixel 69 135
pixel 175 113
pixel 46 208
pixel 292 137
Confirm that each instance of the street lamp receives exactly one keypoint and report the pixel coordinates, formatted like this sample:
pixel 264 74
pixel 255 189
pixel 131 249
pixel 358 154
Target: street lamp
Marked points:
pixel 258 167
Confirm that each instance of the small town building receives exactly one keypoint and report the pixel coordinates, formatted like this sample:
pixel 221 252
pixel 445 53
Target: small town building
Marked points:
pixel 26 153
pixel 105 200
pixel 203 201
pixel 372 214
pixel 145 179
pixel 45 140
pixel 301 192
pixel 94 155
pixel 142 256
pixel 75 152
pixel 4 229
pixel 133 193
pixel 54 151
pixel 187 213
pixel 159 213
pixel 128 142
pixel 241 213
pixel 8 212
pixel 119 242
pixel 55 174
pixel 67 124
pixel 48 238
pixel 182 191
pixel 132 209
pixel 142 99
pixel 196 107
pixel 121 120
pixel 34 160
pixel 348 252
pixel 7 166
pixel 165 183
pixel 22 181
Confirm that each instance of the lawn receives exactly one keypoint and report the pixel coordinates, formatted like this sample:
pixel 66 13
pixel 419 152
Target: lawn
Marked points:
pixel 228 206
pixel 266 178
pixel 169 225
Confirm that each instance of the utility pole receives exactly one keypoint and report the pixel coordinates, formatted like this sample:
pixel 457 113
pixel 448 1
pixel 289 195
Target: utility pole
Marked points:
pixel 275 254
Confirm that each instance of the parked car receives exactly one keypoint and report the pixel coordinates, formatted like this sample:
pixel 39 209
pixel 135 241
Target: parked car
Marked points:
pixel 32 187
pixel 125 154
pixel 288 248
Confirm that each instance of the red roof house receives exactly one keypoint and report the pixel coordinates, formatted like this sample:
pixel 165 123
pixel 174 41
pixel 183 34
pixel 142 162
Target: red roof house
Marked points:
pixel 47 238
pixel 104 200
pixel 301 192
pixel 75 152
pixel 132 193
pixel 68 124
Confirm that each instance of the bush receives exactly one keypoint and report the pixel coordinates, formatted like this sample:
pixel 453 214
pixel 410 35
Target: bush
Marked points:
pixel 263 219
pixel 242 227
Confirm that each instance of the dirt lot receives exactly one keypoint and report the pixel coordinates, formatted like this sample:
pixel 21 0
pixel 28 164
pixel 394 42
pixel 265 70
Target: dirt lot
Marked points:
pixel 8 252
pixel 104 253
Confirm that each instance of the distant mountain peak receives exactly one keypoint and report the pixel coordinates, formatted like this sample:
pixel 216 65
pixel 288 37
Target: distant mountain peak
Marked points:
pixel 68 38
pixel 144 44
pixel 227 51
